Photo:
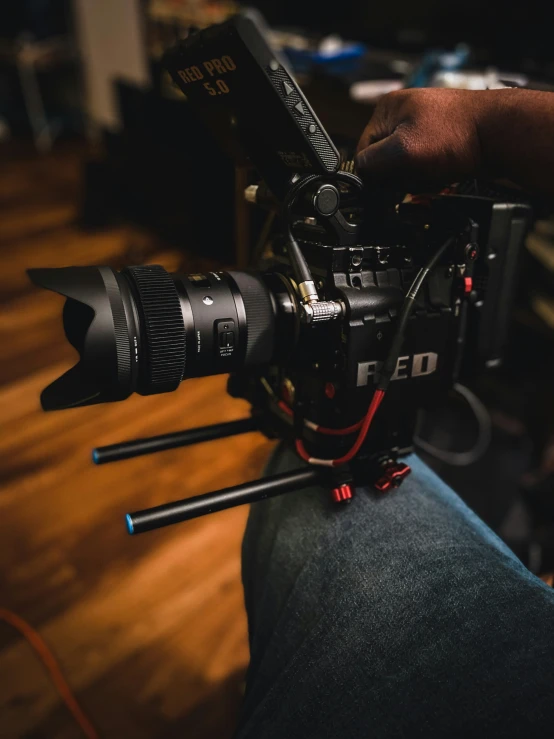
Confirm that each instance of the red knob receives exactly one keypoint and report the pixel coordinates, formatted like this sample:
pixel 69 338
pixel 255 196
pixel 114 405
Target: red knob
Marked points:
pixel 342 494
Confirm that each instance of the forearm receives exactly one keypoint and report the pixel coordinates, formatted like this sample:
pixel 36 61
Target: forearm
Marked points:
pixel 516 132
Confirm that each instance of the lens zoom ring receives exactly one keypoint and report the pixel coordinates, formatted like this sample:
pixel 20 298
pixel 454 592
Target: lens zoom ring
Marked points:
pixel 122 343
pixel 164 330
pixel 259 317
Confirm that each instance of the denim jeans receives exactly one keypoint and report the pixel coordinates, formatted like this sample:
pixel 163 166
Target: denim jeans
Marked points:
pixel 400 615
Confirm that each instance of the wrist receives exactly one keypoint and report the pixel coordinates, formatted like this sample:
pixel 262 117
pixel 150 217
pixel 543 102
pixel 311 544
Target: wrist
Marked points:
pixel 493 118
pixel 514 128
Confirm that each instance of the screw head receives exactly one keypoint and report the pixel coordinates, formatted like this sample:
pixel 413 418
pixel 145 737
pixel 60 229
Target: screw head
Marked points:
pixel 207 300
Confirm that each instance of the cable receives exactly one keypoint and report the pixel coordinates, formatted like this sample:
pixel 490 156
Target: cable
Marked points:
pixel 298 263
pixel 322 429
pixel 50 663
pixel 371 411
pixel 310 424
pixel 333 432
pixel 389 365
pixel 463 459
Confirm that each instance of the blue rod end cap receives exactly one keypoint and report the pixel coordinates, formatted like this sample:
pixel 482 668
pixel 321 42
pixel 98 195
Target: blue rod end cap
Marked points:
pixel 130 525
pixel 95 456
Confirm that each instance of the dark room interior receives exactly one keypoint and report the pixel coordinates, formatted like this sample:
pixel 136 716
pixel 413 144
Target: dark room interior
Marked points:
pixel 350 213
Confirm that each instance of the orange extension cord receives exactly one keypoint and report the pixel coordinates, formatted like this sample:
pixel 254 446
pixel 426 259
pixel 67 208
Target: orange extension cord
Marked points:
pixel 49 661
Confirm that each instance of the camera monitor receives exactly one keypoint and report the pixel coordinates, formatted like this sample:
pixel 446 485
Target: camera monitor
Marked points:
pixel 245 93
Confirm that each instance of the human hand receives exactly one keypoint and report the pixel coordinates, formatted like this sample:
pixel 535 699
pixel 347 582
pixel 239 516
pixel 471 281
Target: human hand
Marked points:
pixel 423 139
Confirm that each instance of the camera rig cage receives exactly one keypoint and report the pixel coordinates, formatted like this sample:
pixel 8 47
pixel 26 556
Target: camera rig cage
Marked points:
pixel 384 302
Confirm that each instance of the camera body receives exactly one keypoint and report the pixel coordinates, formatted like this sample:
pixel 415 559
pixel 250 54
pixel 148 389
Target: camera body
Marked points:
pixel 327 372
pixel 367 307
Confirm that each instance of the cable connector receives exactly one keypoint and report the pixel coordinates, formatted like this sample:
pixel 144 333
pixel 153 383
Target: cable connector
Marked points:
pixel 314 310
pixel 321 310
pixel 308 291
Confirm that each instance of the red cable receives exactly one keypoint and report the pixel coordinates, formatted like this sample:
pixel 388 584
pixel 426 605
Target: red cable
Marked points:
pixel 285 408
pixel 339 432
pixel 371 411
pixel 49 661
pixel 324 429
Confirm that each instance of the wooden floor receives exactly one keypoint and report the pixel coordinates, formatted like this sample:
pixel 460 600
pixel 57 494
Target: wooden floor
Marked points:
pixel 150 631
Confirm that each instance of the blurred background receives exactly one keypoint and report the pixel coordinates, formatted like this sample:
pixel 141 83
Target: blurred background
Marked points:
pixel 102 162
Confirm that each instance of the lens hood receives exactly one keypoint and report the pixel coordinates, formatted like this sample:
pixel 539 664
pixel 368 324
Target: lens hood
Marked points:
pixel 99 322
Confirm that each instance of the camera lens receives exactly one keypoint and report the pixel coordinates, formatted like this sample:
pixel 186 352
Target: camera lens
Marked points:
pixel 145 330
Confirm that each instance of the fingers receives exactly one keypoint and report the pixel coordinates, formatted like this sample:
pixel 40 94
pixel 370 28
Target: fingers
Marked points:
pixel 383 153
pixel 387 116
pixel 373 132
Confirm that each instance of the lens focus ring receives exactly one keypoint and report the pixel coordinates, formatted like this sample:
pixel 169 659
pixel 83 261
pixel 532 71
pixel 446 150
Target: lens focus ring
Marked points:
pixel 162 329
pixel 260 319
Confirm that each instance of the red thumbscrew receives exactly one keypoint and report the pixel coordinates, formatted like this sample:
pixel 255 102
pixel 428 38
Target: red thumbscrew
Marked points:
pixel 342 494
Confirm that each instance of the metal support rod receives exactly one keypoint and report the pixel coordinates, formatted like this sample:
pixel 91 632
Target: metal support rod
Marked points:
pixel 250 492
pixel 138 447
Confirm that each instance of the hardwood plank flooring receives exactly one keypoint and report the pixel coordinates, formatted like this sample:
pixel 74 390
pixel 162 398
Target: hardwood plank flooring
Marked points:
pixel 150 631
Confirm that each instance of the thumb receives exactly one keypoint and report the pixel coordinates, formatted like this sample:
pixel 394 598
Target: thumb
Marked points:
pixel 385 161
pixel 396 162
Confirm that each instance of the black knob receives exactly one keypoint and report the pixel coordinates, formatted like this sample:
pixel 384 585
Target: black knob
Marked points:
pixel 326 200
